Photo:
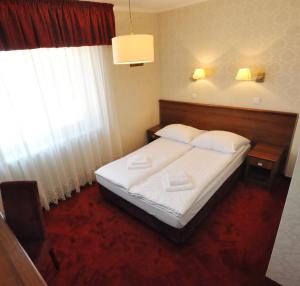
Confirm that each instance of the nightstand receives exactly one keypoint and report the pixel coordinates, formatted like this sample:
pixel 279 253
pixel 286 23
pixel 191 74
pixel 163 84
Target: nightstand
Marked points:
pixel 151 132
pixel 263 163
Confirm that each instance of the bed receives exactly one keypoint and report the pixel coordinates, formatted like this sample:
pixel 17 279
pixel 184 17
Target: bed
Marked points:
pixel 177 215
pixel 177 208
pixel 143 189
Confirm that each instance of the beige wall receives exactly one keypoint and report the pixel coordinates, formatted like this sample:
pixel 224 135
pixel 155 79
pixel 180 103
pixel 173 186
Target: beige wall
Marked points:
pixel 284 265
pixel 136 89
pixel 225 35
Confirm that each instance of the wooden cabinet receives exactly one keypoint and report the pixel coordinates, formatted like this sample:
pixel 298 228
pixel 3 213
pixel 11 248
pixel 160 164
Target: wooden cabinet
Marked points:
pixel 263 163
pixel 15 266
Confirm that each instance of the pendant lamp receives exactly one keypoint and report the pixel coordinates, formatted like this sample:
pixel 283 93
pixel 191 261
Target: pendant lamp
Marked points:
pixel 133 49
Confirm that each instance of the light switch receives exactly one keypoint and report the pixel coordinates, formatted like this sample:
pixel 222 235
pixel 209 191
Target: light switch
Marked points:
pixel 256 100
pixel 195 95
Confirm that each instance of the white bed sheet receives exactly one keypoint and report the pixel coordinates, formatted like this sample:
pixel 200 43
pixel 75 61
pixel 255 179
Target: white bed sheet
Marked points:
pixel 165 215
pixel 161 152
pixel 201 165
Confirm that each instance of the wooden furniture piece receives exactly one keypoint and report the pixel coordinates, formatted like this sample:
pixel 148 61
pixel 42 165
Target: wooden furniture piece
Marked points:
pixel 16 269
pixel 23 214
pixel 270 127
pixel 263 163
pixel 151 136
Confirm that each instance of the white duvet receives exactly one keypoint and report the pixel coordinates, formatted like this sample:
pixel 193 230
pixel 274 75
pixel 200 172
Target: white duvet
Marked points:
pixel 201 165
pixel 161 152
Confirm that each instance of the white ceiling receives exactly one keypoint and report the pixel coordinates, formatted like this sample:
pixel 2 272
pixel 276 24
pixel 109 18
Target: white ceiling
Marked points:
pixel 153 6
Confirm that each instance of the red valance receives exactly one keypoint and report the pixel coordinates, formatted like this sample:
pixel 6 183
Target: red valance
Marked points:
pixel 26 24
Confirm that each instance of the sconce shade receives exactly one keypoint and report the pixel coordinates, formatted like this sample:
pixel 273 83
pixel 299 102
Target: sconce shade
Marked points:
pixel 244 74
pixel 199 74
pixel 133 49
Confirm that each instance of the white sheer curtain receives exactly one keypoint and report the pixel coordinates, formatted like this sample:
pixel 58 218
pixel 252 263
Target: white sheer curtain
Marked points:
pixel 57 118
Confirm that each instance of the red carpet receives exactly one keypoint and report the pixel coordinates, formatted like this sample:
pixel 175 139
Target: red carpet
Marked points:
pixel 98 244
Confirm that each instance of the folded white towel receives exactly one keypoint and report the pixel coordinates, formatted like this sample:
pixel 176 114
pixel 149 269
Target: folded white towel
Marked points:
pixel 138 162
pixel 138 167
pixel 179 188
pixel 183 183
pixel 178 179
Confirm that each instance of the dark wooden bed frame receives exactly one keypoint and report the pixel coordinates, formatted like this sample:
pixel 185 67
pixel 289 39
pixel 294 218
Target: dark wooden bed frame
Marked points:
pixel 176 235
pixel 271 127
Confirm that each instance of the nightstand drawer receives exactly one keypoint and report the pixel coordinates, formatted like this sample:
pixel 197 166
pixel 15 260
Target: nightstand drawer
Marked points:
pixel 260 163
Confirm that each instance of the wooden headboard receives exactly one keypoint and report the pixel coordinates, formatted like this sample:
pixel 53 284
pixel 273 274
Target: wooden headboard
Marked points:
pixel 264 126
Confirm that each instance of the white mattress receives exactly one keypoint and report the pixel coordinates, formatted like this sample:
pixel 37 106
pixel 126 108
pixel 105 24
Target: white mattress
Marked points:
pixel 164 213
pixel 161 152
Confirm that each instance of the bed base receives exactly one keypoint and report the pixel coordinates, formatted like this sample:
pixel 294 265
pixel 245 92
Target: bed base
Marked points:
pixel 178 236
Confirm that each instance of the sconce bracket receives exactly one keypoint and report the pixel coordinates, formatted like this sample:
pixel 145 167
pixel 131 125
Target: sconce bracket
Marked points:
pixel 260 77
pixel 136 65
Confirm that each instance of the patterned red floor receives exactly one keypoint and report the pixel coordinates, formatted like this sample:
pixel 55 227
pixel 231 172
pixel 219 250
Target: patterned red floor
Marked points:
pixel 98 244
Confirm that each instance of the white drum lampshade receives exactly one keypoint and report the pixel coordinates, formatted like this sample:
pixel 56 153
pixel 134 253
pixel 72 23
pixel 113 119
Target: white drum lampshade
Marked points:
pixel 133 49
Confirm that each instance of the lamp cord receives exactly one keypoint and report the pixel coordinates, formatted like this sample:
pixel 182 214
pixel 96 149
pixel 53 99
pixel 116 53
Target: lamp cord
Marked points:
pixel 130 17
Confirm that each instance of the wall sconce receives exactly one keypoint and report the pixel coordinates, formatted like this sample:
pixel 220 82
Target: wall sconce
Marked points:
pixel 199 73
pixel 245 74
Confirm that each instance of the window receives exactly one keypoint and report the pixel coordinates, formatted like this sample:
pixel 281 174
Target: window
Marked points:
pixel 47 98
pixel 57 118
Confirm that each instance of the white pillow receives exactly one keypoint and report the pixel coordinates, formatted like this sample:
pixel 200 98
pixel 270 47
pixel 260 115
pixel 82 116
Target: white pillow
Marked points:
pixel 179 132
pixel 221 141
